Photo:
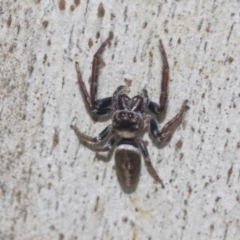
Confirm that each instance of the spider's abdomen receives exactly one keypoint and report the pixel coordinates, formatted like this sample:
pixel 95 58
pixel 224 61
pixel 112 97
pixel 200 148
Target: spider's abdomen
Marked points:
pixel 128 162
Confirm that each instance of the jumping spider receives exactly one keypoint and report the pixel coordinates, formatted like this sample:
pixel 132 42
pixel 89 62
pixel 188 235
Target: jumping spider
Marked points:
pixel 129 119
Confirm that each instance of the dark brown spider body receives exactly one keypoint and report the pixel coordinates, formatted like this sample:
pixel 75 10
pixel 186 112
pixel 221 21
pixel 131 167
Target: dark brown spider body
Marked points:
pixel 127 124
pixel 129 119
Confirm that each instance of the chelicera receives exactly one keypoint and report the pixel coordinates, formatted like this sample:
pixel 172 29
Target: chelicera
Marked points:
pixel 129 120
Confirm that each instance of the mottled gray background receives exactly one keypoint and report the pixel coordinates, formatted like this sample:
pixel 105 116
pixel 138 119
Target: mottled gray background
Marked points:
pixel 52 186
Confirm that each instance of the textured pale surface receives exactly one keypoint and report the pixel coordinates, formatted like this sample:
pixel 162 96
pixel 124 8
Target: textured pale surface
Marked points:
pixel 52 186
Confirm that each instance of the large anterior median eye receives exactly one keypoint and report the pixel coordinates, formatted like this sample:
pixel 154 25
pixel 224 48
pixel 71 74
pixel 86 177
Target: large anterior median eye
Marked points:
pixel 130 115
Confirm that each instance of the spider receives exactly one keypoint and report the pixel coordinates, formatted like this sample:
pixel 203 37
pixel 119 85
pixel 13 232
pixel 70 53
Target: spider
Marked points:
pixel 129 120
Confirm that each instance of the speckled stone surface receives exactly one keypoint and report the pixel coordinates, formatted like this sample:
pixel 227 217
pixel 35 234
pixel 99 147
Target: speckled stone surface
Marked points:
pixel 54 187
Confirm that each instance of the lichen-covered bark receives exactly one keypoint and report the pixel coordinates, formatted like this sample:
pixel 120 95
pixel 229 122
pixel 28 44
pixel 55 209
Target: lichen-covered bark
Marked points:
pixel 52 186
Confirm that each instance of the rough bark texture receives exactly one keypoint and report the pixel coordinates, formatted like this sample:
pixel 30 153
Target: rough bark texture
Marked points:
pixel 54 187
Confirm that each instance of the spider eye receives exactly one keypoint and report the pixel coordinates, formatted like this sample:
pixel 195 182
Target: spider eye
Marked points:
pixel 122 114
pixel 130 115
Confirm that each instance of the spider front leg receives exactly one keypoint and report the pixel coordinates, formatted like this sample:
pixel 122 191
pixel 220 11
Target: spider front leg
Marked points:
pixel 98 106
pixel 148 162
pixel 168 127
pixel 154 107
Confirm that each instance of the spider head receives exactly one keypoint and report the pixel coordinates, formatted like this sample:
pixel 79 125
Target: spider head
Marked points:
pixel 128 119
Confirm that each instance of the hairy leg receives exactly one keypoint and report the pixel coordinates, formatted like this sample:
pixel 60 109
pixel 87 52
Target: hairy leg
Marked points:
pixel 148 162
pixel 107 147
pixel 168 128
pixel 154 107
pixel 98 106
pixel 98 139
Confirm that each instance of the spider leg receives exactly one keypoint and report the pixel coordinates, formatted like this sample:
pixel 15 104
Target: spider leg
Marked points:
pixel 95 68
pixel 165 78
pixel 108 146
pixel 154 107
pixel 82 86
pixel 168 128
pixel 102 106
pixel 98 106
pixel 148 162
pixel 97 139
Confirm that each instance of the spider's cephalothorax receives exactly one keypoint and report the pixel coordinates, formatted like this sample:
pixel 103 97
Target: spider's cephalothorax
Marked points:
pixel 129 119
